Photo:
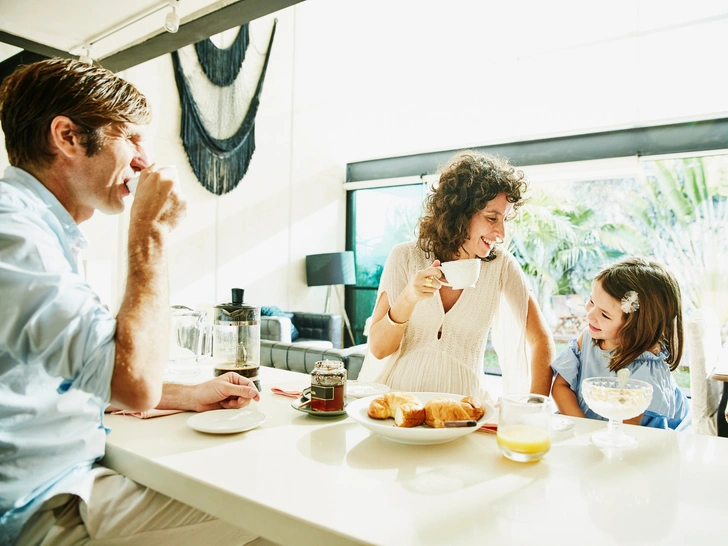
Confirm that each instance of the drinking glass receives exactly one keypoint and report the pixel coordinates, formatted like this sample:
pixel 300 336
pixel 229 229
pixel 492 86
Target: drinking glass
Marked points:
pixel 524 426
pixel 189 341
pixel 605 396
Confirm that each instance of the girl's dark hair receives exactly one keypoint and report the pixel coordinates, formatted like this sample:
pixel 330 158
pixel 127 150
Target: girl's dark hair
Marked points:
pixel 90 96
pixel 659 316
pixel 467 182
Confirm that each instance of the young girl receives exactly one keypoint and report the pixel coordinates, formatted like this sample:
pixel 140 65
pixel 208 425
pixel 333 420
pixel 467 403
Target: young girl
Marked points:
pixel 635 322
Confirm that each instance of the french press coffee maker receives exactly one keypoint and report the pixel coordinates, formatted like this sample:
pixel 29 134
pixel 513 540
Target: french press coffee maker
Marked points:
pixel 236 341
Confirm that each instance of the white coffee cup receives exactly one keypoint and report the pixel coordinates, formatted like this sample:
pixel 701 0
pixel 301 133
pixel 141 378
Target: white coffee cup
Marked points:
pixel 132 183
pixel 461 273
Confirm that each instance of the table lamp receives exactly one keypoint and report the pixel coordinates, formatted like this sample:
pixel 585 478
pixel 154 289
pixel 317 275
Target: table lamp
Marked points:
pixel 329 270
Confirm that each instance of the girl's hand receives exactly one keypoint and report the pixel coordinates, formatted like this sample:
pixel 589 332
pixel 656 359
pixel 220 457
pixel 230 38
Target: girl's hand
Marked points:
pixel 424 283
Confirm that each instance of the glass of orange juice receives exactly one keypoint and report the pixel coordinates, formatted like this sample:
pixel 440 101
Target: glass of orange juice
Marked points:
pixel 524 426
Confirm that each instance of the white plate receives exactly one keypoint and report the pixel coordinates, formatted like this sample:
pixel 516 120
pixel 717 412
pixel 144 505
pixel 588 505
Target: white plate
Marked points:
pixel 226 421
pixel 360 389
pixel 422 435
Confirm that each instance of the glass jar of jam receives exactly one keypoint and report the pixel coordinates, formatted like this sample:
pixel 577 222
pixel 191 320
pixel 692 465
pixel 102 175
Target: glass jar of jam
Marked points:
pixel 328 386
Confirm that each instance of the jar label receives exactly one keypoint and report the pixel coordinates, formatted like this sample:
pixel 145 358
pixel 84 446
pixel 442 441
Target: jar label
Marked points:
pixel 322 393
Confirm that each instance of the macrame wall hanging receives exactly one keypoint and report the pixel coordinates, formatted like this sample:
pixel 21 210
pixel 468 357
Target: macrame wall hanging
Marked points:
pixel 220 99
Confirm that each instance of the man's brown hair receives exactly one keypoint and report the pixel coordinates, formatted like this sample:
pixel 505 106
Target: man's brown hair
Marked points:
pixel 467 182
pixel 657 319
pixel 90 96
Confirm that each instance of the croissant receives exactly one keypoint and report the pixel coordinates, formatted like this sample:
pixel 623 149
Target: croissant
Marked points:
pixel 440 410
pixel 409 414
pixel 406 409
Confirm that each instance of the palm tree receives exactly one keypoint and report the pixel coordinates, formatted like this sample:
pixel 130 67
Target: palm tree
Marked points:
pixel 681 209
pixel 561 242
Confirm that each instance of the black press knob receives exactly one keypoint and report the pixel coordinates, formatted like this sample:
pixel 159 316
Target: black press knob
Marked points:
pixel 237 296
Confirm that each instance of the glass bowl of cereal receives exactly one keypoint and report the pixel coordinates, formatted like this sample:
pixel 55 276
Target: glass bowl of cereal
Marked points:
pixel 616 402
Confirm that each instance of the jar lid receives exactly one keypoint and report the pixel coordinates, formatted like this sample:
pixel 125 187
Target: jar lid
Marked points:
pixel 329 364
pixel 236 305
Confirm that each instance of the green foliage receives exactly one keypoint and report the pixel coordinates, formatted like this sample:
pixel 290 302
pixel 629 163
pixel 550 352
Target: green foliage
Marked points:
pixel 384 217
pixel 682 377
pixel 677 213
pixel 681 210
pixel 561 241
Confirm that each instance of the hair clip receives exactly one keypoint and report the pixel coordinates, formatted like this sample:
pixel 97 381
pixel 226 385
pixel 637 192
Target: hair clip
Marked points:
pixel 630 302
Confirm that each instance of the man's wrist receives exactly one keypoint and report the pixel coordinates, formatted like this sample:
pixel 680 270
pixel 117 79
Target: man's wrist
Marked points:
pixel 176 397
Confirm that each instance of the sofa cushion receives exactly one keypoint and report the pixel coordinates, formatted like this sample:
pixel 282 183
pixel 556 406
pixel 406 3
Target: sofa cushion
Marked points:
pixel 319 326
pixel 355 360
pixel 314 343
pixel 275 329
pixel 272 311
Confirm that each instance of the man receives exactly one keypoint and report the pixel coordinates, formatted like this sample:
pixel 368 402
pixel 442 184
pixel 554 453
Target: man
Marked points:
pixel 74 137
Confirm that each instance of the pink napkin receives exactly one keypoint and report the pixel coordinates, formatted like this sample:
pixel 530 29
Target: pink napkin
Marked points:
pixel 490 428
pixel 283 392
pixel 147 414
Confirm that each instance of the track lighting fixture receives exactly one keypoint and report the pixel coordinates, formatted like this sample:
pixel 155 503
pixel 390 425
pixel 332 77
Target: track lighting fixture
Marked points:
pixel 171 22
pixel 85 57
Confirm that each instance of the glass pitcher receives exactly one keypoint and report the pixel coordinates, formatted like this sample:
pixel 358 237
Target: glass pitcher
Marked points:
pixel 189 342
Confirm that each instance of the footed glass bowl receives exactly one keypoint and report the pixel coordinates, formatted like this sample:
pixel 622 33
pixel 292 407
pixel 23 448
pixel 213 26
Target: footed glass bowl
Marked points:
pixel 605 397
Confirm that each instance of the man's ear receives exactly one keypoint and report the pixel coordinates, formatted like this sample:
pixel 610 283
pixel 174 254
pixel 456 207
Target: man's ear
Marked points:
pixel 66 137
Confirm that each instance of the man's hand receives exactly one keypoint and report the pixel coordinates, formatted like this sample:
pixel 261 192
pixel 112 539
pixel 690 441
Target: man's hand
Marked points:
pixel 229 391
pixel 158 198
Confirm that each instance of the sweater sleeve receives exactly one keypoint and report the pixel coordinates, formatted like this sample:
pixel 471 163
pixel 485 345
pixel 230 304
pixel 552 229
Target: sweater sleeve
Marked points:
pixel 509 327
pixel 396 273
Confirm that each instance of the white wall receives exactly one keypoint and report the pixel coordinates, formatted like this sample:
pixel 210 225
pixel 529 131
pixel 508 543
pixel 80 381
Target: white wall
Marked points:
pixel 360 79
pixel 240 239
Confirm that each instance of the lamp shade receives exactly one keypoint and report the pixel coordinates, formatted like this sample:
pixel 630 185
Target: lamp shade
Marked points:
pixel 332 268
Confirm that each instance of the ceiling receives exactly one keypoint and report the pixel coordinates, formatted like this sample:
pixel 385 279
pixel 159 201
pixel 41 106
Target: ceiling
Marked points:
pixel 120 34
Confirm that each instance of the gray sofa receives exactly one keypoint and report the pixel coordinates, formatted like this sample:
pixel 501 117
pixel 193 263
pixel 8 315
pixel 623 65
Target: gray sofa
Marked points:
pixel 311 327
pixel 320 336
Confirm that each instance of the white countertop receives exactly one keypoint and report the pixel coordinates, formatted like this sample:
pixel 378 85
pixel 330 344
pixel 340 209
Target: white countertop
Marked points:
pixel 306 480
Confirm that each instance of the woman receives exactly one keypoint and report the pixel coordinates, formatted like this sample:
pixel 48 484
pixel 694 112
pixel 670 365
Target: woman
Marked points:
pixel 433 336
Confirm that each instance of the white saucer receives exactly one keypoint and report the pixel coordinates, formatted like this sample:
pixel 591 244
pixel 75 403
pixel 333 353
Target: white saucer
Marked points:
pixel 226 421
pixel 560 423
pixel 360 389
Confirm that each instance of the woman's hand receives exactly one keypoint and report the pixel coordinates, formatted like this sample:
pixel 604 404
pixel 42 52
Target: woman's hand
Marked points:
pixel 423 284
pixel 389 320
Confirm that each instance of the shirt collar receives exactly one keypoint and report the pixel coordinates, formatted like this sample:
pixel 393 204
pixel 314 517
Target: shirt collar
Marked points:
pixel 32 186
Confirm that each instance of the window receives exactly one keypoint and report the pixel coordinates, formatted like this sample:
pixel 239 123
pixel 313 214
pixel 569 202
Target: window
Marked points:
pixel 673 209
pixel 378 219
pixel 581 216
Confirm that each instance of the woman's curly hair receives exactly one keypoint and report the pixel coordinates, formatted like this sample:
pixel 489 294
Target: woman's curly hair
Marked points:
pixel 467 182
